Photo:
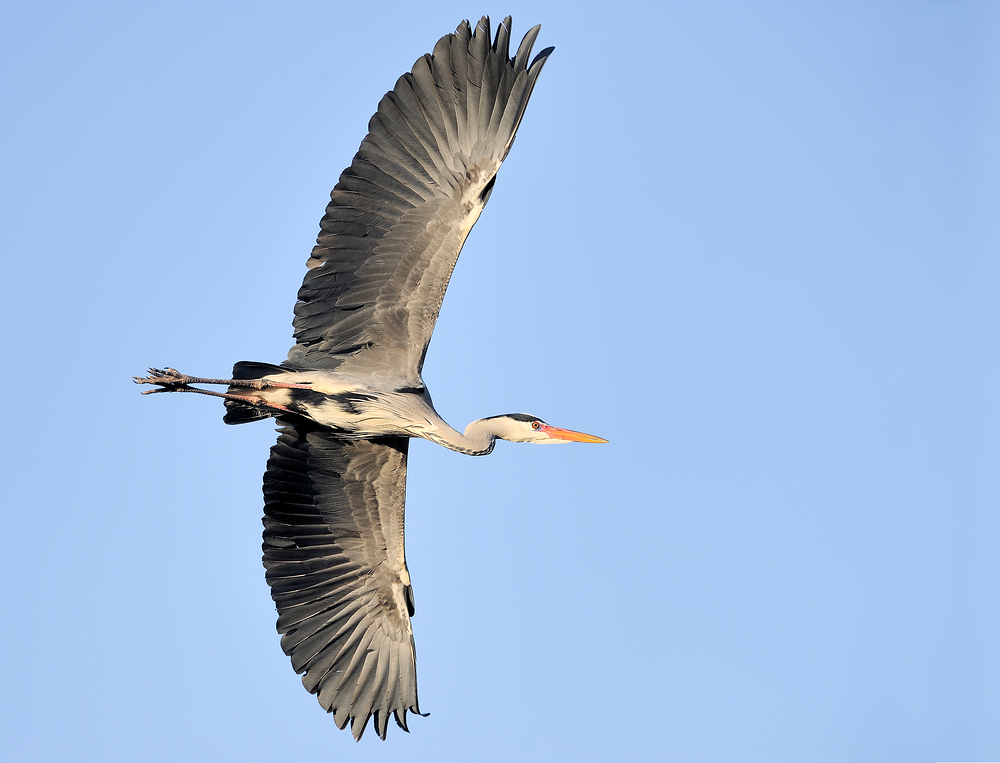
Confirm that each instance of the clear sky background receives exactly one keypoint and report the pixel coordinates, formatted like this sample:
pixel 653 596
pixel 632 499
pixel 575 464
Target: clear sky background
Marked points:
pixel 753 245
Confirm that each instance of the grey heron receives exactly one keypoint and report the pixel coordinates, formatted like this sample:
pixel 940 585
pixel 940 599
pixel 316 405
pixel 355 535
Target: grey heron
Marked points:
pixel 350 394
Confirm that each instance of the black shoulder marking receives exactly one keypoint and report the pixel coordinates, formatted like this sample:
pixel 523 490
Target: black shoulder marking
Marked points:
pixel 308 397
pixel 304 399
pixel 485 195
pixel 411 390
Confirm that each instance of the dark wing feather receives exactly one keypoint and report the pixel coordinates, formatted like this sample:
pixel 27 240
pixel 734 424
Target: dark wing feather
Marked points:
pixel 333 549
pixel 401 212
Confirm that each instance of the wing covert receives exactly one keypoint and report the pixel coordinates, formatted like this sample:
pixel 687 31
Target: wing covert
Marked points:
pixel 399 215
pixel 333 550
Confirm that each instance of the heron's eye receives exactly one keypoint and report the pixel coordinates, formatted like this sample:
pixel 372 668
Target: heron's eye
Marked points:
pixel 535 425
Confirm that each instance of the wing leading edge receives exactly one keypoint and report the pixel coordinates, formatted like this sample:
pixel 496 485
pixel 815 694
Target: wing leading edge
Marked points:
pixel 401 212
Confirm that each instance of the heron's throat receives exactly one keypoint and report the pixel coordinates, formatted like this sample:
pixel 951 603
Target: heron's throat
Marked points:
pixel 478 440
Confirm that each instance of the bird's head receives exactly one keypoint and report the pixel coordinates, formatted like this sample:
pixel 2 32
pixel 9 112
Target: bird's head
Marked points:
pixel 522 427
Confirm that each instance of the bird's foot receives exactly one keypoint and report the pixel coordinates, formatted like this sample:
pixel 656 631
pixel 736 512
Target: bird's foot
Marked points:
pixel 172 380
pixel 169 379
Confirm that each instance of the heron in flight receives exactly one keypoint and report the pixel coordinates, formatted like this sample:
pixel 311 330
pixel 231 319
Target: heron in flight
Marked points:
pixel 350 395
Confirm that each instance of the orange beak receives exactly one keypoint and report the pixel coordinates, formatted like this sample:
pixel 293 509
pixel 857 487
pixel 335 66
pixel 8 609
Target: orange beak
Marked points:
pixel 568 434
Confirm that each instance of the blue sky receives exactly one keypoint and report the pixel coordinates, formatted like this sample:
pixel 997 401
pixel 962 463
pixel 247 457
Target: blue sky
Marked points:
pixel 753 246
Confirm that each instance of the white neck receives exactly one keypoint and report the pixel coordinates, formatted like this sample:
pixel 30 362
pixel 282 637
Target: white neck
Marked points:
pixel 479 438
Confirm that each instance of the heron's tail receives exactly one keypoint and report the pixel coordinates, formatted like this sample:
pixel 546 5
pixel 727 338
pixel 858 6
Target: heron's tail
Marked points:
pixel 243 413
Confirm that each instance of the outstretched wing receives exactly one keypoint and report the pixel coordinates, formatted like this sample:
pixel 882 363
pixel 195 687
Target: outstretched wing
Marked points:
pixel 333 549
pixel 401 212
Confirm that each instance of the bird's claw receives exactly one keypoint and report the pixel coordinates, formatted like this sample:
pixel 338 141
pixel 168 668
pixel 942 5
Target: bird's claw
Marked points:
pixel 169 379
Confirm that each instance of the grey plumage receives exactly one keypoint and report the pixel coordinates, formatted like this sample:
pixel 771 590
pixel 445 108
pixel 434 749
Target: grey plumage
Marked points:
pixel 333 550
pixel 389 241
pixel 350 395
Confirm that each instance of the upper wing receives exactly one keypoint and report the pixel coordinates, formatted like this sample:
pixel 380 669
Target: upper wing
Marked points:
pixel 333 549
pixel 398 217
